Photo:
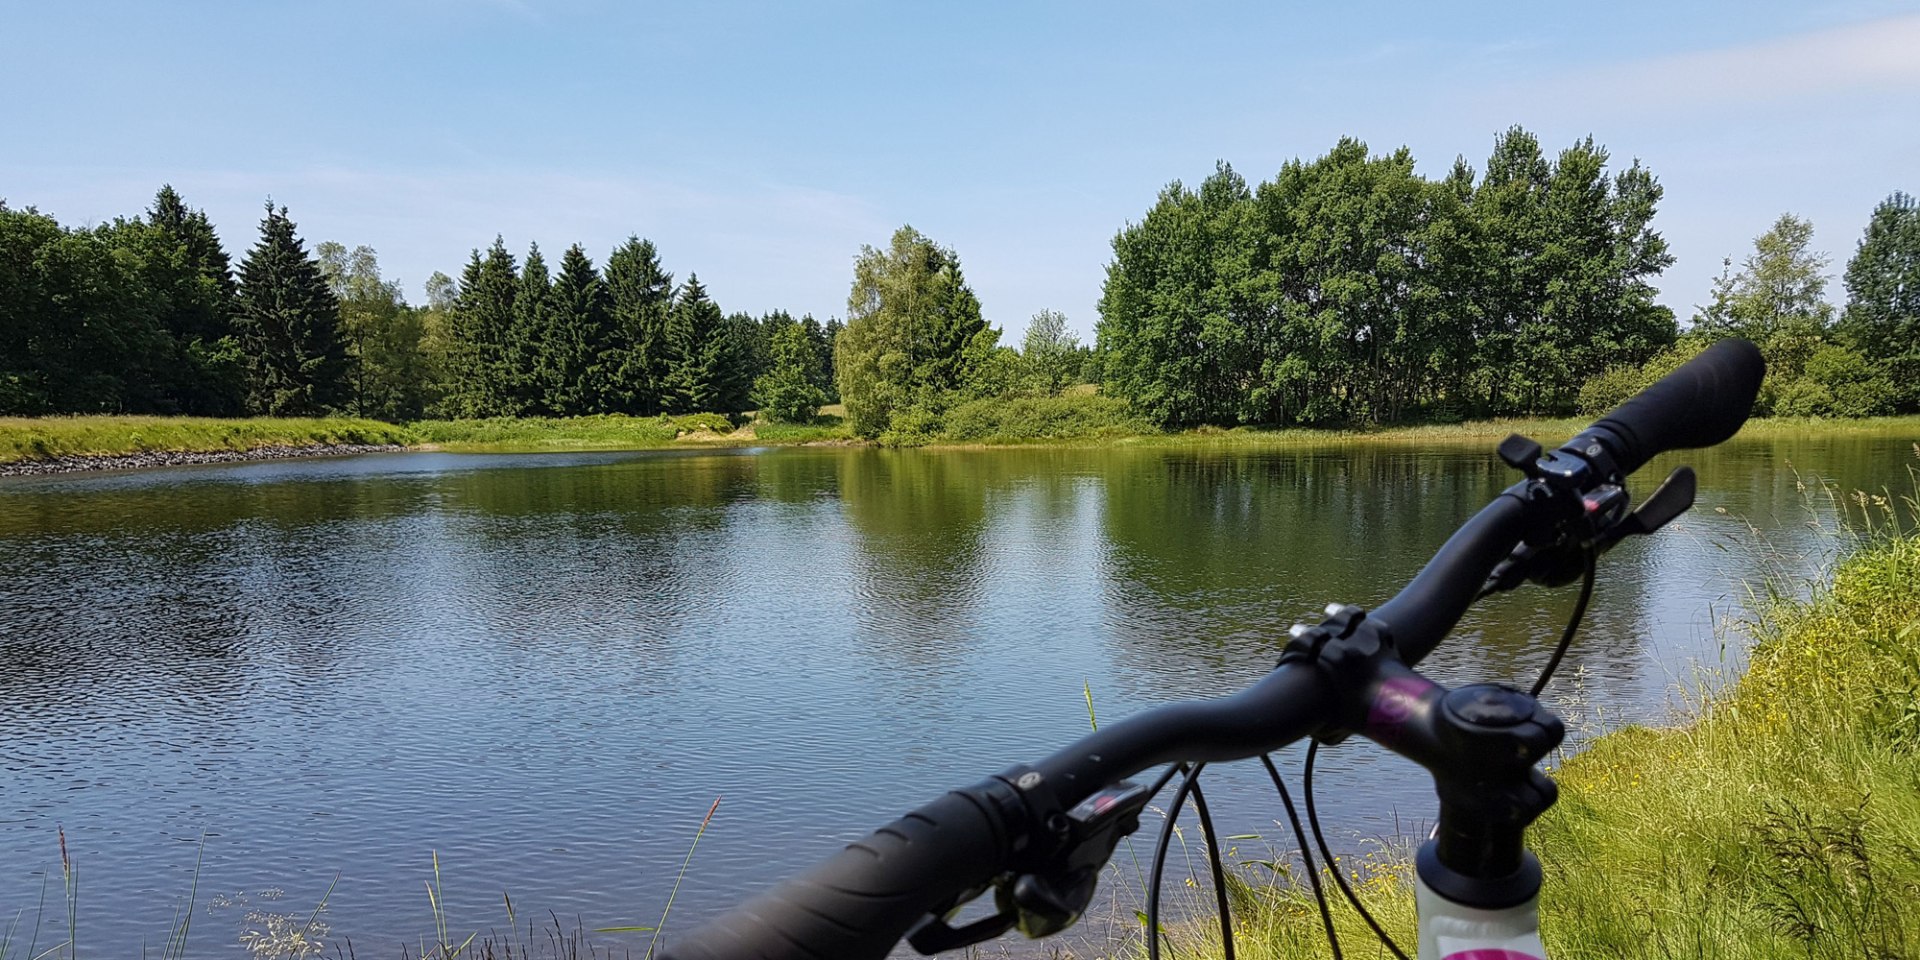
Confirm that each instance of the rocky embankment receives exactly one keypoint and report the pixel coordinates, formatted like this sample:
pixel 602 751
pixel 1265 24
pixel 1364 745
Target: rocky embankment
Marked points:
pixel 178 458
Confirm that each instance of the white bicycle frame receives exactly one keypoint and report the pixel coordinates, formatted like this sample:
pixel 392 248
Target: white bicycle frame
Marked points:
pixel 1450 931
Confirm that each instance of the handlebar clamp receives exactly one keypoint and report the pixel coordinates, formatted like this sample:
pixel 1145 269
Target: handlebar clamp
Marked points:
pixel 1349 648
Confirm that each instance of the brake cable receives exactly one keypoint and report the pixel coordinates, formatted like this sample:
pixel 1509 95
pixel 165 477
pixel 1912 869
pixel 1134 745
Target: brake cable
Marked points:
pixel 1573 623
pixel 1189 785
pixel 1574 620
pixel 1320 839
pixel 1306 855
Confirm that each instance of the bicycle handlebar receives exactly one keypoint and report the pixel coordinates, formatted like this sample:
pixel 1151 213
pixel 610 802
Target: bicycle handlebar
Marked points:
pixel 860 903
pixel 1701 404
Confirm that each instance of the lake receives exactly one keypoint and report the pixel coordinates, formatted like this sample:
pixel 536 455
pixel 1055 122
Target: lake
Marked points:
pixel 545 669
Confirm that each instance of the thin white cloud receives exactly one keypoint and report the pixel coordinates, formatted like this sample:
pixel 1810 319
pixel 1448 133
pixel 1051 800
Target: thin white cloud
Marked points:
pixel 1875 56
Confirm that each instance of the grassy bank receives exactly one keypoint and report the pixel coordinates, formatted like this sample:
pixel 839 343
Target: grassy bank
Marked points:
pixel 49 437
pixel 1068 421
pixel 601 432
pixel 1784 821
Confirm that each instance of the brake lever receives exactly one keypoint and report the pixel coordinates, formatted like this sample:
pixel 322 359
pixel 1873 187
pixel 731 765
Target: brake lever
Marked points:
pixel 1673 498
pixel 1669 502
pixel 1045 901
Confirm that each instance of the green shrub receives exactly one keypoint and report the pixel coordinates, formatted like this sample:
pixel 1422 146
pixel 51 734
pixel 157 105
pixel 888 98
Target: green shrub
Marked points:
pixel 1025 419
pixel 787 393
pixel 1612 387
pixel 1858 389
pixel 1805 397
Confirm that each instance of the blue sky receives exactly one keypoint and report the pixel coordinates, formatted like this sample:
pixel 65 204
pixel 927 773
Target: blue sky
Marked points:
pixel 761 144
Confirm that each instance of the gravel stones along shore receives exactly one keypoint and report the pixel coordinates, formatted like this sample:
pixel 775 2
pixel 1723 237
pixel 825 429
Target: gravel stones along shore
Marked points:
pixel 179 458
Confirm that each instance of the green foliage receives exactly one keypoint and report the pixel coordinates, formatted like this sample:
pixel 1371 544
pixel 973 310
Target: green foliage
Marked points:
pixel 129 316
pixel 1837 382
pixel 289 325
pixel 823 429
pixel 1049 354
pixel 1351 290
pixel 1613 386
pixel 787 393
pixel 390 374
pixel 527 377
pixel 596 432
pixel 1778 292
pixel 480 321
pixel 1777 299
pixel 1041 419
pixel 1882 319
pixel 914 333
pixel 827 337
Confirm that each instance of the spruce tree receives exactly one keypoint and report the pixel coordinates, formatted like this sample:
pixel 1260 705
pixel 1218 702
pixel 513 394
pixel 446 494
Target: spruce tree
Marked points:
pixel 578 339
pixel 288 325
pixel 209 315
pixel 480 323
pixel 198 369
pixel 705 373
pixel 638 355
pixel 530 373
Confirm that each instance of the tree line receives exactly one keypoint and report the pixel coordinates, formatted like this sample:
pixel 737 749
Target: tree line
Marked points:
pixel 1860 361
pixel 1346 290
pixel 1350 290
pixel 148 315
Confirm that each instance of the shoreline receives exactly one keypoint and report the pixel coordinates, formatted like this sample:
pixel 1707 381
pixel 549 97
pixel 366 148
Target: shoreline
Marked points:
pixel 171 442
pixel 152 459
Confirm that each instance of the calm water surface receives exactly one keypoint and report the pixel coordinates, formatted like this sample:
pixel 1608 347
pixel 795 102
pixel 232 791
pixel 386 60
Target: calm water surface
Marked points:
pixel 547 668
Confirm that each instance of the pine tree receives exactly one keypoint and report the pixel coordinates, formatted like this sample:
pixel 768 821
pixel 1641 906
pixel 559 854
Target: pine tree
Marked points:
pixel 288 325
pixel 480 322
pixel 579 340
pixel 639 298
pixel 705 371
pixel 209 316
pixel 199 368
pixel 531 375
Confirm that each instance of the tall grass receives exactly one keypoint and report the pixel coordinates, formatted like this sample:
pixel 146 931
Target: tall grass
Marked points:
pixel 1783 821
pixel 43 438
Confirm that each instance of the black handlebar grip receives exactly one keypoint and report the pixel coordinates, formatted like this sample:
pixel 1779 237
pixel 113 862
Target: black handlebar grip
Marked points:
pixel 1701 404
pixel 860 903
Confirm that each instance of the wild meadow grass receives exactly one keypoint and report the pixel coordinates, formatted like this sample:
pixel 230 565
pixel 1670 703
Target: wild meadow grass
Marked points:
pixel 269 934
pixel 1781 821
pixel 40 438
